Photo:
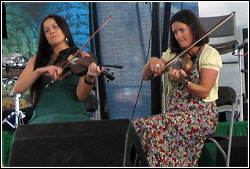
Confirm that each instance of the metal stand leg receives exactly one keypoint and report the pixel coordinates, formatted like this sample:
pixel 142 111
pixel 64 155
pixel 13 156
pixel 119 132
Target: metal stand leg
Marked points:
pixel 98 111
pixel 18 115
pixel 241 87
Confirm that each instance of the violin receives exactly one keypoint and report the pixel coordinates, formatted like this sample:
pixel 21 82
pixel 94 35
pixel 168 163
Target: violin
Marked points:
pixel 67 59
pixel 79 65
pixel 186 61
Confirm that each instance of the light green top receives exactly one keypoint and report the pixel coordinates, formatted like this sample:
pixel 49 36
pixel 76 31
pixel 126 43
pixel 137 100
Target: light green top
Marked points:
pixel 209 58
pixel 59 103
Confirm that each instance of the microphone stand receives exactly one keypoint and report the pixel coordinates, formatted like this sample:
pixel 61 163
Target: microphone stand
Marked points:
pixel 240 117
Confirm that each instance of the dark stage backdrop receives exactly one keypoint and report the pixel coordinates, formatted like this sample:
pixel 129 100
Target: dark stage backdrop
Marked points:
pixel 125 40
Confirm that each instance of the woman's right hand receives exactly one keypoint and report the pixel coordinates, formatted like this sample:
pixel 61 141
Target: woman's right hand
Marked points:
pixel 29 76
pixel 52 71
pixel 156 65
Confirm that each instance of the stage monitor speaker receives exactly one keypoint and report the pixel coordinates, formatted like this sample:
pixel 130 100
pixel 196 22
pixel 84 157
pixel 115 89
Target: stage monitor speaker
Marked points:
pixel 97 143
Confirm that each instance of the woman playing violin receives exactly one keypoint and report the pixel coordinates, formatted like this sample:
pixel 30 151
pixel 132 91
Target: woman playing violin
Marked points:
pixel 176 138
pixel 63 100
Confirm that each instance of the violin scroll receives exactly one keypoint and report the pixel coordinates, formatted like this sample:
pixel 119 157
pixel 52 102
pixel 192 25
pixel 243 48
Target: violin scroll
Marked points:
pixel 107 75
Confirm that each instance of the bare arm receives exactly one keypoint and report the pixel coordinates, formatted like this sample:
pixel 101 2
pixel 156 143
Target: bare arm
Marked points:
pixel 29 75
pixel 207 80
pixel 83 89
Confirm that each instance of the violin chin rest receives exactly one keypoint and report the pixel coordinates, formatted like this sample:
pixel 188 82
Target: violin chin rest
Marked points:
pixel 65 74
pixel 78 69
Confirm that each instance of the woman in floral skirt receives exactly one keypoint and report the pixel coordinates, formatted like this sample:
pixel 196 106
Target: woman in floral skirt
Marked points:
pixel 176 138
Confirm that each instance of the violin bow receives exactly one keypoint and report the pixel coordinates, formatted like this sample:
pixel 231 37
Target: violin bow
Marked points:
pixel 179 55
pixel 71 57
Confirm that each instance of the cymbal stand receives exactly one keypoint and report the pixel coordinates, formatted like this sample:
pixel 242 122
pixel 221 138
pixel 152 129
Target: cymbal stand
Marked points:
pixel 10 62
pixel 17 114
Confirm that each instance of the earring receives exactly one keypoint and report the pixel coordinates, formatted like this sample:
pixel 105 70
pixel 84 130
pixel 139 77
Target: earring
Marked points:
pixel 66 39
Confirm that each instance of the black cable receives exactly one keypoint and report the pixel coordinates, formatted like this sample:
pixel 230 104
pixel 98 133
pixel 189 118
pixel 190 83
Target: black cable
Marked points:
pixel 142 80
pixel 167 15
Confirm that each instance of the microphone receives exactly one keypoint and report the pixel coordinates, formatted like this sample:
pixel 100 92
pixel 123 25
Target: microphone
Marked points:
pixel 244 44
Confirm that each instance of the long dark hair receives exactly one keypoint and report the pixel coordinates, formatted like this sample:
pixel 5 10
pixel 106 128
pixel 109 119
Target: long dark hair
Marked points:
pixel 189 18
pixel 45 51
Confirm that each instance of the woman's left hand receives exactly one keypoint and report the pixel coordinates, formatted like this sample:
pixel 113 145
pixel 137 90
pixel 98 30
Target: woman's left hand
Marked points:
pixel 94 70
pixel 176 74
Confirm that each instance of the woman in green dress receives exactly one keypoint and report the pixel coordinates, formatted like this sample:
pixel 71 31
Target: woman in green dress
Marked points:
pixel 62 101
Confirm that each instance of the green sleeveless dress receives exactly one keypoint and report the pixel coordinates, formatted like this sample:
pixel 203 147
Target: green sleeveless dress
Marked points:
pixel 59 103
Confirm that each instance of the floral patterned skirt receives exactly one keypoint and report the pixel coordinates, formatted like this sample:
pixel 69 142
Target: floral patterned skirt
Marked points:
pixel 176 138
